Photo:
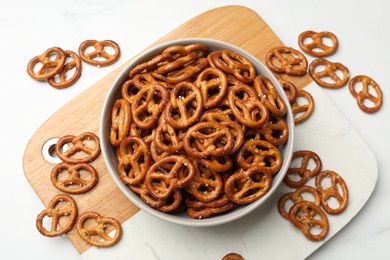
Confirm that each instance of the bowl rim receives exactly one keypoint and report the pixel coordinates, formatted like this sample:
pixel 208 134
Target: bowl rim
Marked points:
pixel 105 144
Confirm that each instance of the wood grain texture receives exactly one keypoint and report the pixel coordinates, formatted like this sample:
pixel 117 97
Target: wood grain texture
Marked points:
pixel 249 32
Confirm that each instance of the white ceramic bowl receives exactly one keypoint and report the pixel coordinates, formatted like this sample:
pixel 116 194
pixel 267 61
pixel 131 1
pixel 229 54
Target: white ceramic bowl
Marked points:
pixel 108 151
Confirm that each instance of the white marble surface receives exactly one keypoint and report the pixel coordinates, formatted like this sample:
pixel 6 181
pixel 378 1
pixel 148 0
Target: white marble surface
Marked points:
pixel 28 28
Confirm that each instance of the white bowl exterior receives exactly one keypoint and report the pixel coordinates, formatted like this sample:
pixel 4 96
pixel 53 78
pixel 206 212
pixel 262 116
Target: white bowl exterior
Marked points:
pixel 108 151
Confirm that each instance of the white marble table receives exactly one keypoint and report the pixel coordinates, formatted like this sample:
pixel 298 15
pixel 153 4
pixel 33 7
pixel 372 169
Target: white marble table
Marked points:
pixel 29 27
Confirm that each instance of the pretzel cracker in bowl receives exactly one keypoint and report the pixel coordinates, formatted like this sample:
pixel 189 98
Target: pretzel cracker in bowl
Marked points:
pixel 198 131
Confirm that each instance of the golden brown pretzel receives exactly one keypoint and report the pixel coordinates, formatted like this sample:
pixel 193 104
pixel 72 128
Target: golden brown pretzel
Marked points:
pixel 170 204
pixel 247 186
pixel 197 204
pixel 317 42
pixel 270 96
pixel 83 148
pixel 365 94
pixel 234 64
pixel 63 81
pixel 146 134
pixel 145 195
pixel 157 154
pixel 134 161
pixel 233 256
pixel 78 178
pixel 234 127
pixel 303 111
pixel 99 56
pixel 288 87
pixel 177 51
pixel 303 216
pixel 246 106
pixel 150 65
pixel 129 90
pixel 218 164
pixel 274 131
pixel 176 64
pixel 302 172
pixel 97 234
pixel 185 105
pixel 207 184
pixel 187 72
pixel 329 72
pixel 295 197
pixel 199 210
pixel 60 207
pixel 148 104
pixel 168 139
pixel 208 139
pixel 224 109
pixel 146 78
pixel 212 80
pixel 171 172
pixel 49 66
pixel 260 154
pixel 173 202
pixel 338 189
pixel 120 121
pixel 286 60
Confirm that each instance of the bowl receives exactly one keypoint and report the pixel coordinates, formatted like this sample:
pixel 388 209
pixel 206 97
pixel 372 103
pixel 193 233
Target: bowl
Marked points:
pixel 109 155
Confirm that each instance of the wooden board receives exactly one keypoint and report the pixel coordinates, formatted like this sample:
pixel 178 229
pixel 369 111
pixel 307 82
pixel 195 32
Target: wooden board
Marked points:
pixel 249 31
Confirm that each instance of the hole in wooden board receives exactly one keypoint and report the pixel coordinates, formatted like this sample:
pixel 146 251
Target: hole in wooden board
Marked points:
pixel 49 150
